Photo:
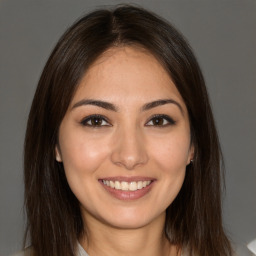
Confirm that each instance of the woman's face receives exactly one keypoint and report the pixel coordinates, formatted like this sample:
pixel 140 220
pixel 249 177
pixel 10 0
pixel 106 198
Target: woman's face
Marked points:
pixel 125 140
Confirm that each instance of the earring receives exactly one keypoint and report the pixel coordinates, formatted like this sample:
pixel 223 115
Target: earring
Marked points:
pixel 191 161
pixel 57 154
pixel 58 157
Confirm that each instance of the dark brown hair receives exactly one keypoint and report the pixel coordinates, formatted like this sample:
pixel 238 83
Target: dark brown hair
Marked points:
pixel 54 221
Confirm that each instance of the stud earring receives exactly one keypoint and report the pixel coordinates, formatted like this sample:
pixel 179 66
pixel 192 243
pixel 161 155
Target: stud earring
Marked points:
pixel 57 154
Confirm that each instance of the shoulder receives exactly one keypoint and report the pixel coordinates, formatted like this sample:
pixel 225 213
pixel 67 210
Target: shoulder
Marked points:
pixel 19 254
pixel 81 251
pixel 26 252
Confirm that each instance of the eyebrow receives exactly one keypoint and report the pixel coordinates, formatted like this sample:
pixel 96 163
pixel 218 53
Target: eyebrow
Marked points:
pixel 98 103
pixel 161 102
pixel 112 107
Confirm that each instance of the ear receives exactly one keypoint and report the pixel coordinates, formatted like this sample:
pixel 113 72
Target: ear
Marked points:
pixel 191 154
pixel 58 154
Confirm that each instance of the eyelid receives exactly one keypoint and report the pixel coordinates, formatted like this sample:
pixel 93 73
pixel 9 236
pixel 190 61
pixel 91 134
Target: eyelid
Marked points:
pixel 88 118
pixel 170 120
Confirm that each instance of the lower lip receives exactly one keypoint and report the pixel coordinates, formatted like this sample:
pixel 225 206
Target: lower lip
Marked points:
pixel 128 195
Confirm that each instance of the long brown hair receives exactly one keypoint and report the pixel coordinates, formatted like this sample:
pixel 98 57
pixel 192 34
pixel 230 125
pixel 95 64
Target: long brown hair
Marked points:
pixel 54 221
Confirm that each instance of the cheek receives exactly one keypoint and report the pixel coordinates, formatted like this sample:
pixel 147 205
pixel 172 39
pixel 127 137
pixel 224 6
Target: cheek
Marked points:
pixel 171 160
pixel 81 155
pixel 171 154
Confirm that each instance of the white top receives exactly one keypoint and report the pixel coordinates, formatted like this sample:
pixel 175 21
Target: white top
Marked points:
pixel 80 252
pixel 252 246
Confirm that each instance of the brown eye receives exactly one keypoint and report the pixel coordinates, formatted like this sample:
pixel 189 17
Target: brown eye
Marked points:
pixel 160 120
pixel 95 121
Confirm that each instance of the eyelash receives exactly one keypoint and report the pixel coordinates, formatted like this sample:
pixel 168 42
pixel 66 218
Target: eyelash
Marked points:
pixel 167 121
pixel 85 121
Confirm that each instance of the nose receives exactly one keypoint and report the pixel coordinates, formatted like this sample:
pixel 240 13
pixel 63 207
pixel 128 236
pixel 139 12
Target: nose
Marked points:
pixel 129 150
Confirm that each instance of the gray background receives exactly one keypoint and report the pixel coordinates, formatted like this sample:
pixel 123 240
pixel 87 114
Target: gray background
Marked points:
pixel 223 36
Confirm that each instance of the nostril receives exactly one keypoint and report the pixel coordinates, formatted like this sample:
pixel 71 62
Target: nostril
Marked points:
pixel 129 153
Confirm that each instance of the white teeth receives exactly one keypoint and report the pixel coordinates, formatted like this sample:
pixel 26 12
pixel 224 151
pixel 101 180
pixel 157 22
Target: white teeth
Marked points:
pixel 112 184
pixel 125 186
pixel 117 185
pixel 140 185
pixel 133 186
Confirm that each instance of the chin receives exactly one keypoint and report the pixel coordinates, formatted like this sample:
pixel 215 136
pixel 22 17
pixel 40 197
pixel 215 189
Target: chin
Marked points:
pixel 130 223
pixel 133 220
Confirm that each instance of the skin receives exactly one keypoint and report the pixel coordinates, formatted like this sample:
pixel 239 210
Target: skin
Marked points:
pixel 128 143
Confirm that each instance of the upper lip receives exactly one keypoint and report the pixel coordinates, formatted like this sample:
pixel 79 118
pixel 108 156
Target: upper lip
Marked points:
pixel 128 179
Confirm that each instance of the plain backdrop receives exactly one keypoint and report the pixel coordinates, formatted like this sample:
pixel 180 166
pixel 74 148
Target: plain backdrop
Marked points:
pixel 223 36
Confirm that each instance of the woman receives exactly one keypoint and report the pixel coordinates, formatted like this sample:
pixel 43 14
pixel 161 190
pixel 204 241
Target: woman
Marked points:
pixel 121 151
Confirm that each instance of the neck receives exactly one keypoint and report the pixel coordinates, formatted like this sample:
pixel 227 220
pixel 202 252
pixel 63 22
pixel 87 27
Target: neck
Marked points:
pixel 105 240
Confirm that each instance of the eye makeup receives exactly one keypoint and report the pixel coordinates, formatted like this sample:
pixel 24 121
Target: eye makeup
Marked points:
pixel 160 120
pixel 95 121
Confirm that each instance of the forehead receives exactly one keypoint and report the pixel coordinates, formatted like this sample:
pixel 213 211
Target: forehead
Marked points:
pixel 126 73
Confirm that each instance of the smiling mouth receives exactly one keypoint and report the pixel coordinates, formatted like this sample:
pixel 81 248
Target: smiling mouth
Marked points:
pixel 127 186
